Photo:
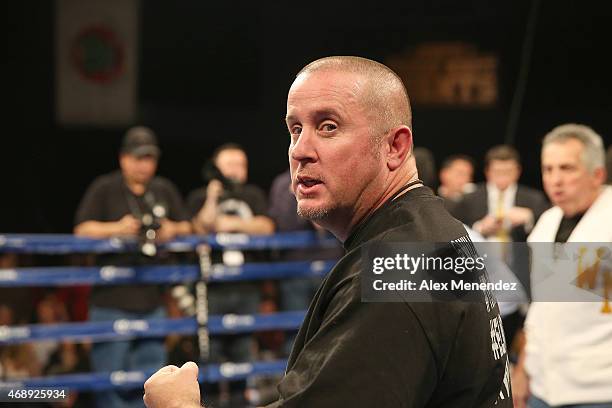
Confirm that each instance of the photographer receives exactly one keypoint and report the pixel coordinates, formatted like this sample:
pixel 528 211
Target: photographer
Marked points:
pixel 228 204
pixel 130 202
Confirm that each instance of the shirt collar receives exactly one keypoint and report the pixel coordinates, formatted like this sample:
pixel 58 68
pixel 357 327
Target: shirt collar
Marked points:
pixel 379 221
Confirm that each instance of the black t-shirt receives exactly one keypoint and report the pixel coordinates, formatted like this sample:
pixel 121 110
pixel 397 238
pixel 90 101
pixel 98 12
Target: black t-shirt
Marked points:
pixel 109 199
pixel 244 201
pixel 354 354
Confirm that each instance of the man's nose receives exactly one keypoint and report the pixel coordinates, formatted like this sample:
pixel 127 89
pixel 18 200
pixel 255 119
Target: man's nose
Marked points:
pixel 304 149
pixel 555 177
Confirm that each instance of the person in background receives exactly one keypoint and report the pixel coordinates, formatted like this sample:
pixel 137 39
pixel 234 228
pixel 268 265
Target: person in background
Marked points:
pixel 609 164
pixel 17 361
pixel 228 204
pixel 130 202
pixel 456 176
pixel 504 211
pixel 49 310
pixel 501 209
pixel 567 358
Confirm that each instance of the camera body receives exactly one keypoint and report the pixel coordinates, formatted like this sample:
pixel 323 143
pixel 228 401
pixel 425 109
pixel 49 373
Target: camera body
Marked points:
pixel 211 172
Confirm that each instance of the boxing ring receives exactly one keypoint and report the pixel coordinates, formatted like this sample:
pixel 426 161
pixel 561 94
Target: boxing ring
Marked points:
pixel 202 324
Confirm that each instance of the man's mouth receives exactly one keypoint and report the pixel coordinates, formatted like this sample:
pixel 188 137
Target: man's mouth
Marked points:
pixel 557 194
pixel 306 184
pixel 308 181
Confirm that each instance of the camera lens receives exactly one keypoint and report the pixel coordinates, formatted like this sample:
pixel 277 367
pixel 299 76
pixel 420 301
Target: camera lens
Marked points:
pixel 147 219
pixel 149 249
pixel 159 211
pixel 150 234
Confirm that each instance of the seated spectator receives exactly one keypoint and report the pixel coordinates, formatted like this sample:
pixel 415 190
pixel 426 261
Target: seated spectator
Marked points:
pixel 6 315
pixel 49 310
pixel 131 202
pixel 501 209
pixel 16 302
pixel 456 175
pixel 70 358
pixel 18 362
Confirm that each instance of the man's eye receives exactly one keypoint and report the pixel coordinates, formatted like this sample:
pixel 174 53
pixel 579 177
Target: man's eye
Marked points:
pixel 295 130
pixel 328 127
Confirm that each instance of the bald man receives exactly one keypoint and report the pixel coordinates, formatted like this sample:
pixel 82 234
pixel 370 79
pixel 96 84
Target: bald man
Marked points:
pixel 353 173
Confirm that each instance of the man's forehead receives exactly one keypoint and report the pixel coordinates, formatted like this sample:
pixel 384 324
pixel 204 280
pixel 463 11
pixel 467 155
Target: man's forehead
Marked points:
pixel 568 149
pixel 333 87
pixel 503 163
pixel 461 163
pixel 135 157
pixel 327 83
pixel 325 78
pixel 231 155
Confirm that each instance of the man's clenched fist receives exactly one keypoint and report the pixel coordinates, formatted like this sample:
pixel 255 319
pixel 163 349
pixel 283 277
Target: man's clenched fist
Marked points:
pixel 173 387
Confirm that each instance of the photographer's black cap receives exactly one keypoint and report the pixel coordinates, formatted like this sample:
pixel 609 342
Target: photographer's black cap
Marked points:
pixel 140 141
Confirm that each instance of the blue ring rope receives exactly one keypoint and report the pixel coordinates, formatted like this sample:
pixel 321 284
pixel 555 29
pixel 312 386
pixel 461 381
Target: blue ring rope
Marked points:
pixel 210 373
pixel 66 244
pixel 112 275
pixel 124 329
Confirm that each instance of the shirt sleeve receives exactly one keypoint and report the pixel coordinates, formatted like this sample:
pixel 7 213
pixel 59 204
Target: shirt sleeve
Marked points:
pixel 363 354
pixel 92 205
pixel 195 201
pixel 257 201
pixel 176 207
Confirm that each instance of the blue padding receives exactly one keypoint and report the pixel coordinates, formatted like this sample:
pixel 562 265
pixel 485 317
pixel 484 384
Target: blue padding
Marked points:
pixel 127 329
pixel 96 331
pixel 62 244
pixel 272 270
pixel 65 243
pixel 106 275
pixel 112 275
pixel 281 240
pixel 239 371
pixel 135 379
pixel 232 324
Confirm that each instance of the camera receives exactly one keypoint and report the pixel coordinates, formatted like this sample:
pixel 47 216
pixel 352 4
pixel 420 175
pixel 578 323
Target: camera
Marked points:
pixel 211 172
pixel 150 224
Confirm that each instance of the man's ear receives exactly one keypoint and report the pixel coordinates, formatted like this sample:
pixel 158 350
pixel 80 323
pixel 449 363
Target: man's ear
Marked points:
pixel 601 175
pixel 399 141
